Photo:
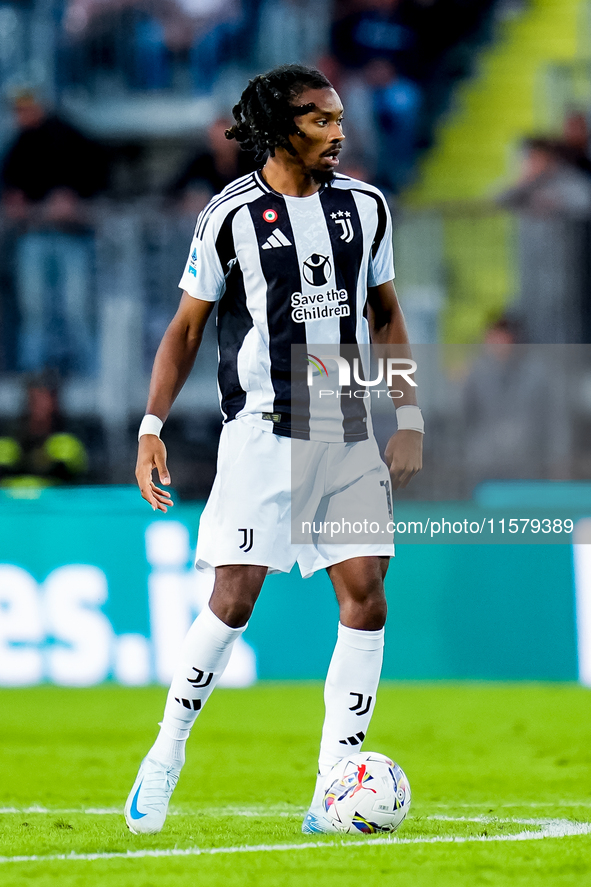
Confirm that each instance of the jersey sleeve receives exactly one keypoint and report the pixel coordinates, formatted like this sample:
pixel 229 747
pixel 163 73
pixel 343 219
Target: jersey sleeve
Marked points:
pixel 381 263
pixel 203 277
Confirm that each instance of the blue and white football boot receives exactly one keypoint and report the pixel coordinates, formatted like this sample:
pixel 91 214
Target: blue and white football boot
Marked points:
pixel 147 804
pixel 316 823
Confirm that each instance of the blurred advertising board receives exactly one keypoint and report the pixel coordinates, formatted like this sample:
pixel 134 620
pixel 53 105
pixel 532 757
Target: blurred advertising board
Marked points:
pixel 94 586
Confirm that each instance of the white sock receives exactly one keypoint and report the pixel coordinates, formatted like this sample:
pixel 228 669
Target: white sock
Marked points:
pixel 204 655
pixel 349 697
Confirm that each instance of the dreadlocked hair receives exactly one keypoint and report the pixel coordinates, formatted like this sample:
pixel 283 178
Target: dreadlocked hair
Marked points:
pixel 265 113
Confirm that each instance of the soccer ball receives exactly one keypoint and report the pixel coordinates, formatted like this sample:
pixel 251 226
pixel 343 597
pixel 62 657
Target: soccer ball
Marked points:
pixel 366 793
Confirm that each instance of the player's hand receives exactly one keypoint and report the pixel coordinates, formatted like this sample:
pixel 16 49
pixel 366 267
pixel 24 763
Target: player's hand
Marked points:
pixel 404 456
pixel 152 455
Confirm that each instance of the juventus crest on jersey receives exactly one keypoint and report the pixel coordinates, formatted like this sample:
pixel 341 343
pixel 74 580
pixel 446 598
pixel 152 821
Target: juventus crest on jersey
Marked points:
pixel 288 271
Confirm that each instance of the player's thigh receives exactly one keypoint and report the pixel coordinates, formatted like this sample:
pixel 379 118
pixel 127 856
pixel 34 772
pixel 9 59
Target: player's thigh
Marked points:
pixel 354 517
pixel 247 517
pixel 360 498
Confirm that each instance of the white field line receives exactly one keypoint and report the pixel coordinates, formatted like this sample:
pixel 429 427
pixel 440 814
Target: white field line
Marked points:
pixel 118 811
pixel 492 820
pixel 547 828
pixel 279 812
pixel 511 805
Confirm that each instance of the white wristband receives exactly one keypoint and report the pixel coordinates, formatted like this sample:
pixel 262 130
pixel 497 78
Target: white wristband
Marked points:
pixel 150 425
pixel 410 418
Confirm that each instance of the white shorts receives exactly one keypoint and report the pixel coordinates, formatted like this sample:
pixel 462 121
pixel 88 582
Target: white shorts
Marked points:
pixel 248 516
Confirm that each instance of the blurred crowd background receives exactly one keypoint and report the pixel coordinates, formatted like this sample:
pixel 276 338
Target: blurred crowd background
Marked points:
pixel 471 115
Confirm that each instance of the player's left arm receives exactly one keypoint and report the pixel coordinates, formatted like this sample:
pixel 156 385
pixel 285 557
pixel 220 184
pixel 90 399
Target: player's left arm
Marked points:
pixel 404 451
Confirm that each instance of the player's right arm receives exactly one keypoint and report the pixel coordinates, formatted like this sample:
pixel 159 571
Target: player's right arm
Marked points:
pixel 173 363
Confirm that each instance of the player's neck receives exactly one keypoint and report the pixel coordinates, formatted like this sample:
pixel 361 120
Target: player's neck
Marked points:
pixel 287 177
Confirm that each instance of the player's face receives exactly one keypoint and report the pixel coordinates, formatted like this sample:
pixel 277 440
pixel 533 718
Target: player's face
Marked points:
pixel 320 133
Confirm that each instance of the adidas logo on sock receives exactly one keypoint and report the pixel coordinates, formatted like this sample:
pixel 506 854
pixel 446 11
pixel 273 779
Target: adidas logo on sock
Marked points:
pixel 195 704
pixel 276 239
pixel 353 740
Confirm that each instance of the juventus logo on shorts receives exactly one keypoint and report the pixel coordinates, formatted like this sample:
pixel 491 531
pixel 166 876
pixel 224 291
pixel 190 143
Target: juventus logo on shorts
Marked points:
pixel 247 540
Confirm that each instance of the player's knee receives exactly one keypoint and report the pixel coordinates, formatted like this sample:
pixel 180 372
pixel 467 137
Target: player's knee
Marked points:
pixel 235 593
pixel 364 607
pixel 233 612
pixel 365 616
pixel 375 609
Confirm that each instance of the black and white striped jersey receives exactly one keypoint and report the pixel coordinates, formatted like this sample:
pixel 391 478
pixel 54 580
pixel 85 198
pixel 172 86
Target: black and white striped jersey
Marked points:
pixel 288 271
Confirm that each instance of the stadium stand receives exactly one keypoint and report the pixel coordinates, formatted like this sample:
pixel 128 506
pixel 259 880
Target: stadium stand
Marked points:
pixel 459 84
pixel 513 94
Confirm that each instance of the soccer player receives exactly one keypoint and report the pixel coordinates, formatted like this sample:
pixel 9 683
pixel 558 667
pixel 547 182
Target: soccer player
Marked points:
pixel 295 227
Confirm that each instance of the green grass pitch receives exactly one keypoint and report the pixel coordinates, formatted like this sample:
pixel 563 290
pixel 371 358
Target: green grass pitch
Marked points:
pixel 500 774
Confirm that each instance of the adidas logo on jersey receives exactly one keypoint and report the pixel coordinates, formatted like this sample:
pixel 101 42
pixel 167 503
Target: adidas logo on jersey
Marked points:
pixel 276 239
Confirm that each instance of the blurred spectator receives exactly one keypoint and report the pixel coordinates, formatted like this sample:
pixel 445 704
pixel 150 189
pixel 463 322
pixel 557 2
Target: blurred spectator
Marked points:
pixel 396 103
pixel 210 170
pixel 38 451
pixel 515 410
pixel 399 60
pixel 370 29
pixel 8 307
pixel 15 22
pixel 292 29
pixel 48 173
pixel 548 183
pixel 200 31
pixel 576 141
pixel 553 201
pixel 441 26
pixel 375 50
